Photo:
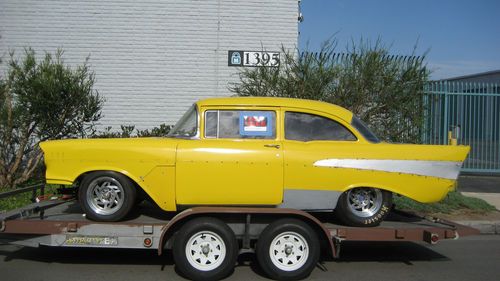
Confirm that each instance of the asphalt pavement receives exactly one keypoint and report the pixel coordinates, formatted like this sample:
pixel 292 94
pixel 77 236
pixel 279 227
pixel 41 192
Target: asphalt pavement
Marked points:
pixel 486 188
pixel 469 258
pixel 482 187
pixel 479 184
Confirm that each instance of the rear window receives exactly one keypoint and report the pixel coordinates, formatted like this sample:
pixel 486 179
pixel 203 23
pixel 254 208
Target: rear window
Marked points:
pixel 309 127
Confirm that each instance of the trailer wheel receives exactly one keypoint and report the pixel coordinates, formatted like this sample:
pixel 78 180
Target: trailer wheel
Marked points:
pixel 288 249
pixel 106 196
pixel 363 206
pixel 205 249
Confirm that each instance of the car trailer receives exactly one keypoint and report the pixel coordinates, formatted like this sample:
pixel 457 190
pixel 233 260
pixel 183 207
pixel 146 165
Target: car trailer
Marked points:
pixel 205 241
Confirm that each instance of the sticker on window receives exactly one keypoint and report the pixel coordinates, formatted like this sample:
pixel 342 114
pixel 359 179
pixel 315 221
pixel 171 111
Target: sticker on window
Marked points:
pixel 256 123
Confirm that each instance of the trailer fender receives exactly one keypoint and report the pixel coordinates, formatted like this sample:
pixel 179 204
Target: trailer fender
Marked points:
pixel 179 219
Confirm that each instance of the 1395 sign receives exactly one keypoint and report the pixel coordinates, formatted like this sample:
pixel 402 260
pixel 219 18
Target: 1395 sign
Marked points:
pixel 248 58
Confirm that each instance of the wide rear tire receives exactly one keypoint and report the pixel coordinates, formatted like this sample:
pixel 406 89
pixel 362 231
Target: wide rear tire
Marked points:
pixel 363 206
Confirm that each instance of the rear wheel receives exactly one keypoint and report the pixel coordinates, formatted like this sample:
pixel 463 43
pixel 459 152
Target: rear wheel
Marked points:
pixel 106 196
pixel 288 249
pixel 205 249
pixel 363 206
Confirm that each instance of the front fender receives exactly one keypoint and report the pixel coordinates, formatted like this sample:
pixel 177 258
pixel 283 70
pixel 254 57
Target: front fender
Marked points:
pixel 158 182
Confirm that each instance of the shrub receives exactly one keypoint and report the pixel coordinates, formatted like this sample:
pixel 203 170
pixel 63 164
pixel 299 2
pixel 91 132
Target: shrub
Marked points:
pixel 127 131
pixel 42 100
pixel 384 91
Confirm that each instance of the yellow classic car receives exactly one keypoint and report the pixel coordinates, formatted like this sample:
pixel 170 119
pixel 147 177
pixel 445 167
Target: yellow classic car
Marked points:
pixel 248 151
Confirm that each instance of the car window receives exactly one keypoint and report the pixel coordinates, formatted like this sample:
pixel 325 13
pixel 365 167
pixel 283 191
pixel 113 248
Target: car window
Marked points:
pixel 187 126
pixel 364 130
pixel 309 127
pixel 239 124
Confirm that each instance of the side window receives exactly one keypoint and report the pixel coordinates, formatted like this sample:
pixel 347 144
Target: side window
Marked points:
pixel 240 124
pixel 308 127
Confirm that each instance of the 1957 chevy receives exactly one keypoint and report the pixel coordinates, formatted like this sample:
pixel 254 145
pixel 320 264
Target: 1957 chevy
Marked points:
pixel 286 153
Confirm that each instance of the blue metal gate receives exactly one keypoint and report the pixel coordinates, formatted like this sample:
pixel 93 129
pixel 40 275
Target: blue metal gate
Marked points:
pixel 471 111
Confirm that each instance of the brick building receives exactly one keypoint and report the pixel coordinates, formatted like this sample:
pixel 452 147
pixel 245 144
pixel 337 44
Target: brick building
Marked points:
pixel 152 58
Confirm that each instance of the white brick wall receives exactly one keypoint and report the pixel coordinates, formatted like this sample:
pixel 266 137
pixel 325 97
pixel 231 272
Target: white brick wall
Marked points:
pixel 152 58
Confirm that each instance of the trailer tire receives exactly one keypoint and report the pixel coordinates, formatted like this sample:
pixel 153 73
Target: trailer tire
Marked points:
pixel 363 206
pixel 98 189
pixel 205 249
pixel 288 249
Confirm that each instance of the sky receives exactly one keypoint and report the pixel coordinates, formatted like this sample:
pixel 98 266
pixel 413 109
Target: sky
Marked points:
pixel 460 37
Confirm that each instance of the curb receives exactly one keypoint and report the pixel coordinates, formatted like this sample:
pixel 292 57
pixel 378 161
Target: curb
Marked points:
pixel 485 227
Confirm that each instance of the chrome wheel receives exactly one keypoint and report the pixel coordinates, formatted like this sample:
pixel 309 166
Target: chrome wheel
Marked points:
pixel 289 251
pixel 205 251
pixel 105 195
pixel 364 202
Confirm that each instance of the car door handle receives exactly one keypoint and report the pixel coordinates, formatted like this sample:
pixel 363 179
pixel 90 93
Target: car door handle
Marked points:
pixel 277 146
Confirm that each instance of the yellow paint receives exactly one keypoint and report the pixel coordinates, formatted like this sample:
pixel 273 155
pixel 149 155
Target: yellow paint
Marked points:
pixel 228 172
pixel 137 158
pixel 161 185
pixel 301 174
pixel 246 171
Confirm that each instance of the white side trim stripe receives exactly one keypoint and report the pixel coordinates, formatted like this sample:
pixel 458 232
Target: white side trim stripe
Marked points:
pixel 438 169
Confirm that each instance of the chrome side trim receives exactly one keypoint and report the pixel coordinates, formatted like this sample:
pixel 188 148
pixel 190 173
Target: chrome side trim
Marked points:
pixel 438 169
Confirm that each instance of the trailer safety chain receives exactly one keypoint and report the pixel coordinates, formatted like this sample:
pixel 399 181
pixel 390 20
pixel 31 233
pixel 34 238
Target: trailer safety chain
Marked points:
pixel 440 221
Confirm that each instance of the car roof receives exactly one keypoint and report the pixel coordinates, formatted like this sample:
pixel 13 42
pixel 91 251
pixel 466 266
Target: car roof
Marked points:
pixel 279 102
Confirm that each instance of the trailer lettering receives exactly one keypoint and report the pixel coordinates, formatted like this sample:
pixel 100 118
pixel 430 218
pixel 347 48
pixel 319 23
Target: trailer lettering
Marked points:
pixel 91 241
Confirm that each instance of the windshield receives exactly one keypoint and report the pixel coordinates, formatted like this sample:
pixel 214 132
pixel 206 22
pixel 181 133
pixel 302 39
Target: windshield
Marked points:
pixel 364 130
pixel 187 126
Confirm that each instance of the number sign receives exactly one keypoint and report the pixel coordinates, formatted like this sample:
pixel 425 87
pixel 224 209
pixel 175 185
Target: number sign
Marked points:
pixel 252 59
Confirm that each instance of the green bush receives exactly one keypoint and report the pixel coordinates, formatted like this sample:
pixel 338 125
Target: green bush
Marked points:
pixel 127 131
pixel 384 91
pixel 41 100
pixel 453 202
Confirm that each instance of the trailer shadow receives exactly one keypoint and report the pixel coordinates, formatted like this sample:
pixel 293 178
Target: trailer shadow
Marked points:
pixel 378 252
pixel 352 252
pixel 387 251
pixel 87 256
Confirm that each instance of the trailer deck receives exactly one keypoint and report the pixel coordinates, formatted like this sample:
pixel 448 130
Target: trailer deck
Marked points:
pixel 62 223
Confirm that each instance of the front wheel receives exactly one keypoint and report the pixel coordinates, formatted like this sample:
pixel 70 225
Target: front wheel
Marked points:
pixel 106 196
pixel 363 206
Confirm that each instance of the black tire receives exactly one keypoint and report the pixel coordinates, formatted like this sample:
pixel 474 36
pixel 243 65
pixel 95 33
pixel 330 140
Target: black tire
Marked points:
pixel 214 231
pixel 374 207
pixel 280 266
pixel 98 188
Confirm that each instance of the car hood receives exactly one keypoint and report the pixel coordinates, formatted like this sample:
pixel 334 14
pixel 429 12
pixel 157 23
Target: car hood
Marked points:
pixel 159 150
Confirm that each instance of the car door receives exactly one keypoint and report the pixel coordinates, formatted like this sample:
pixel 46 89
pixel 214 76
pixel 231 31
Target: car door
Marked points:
pixel 238 159
pixel 310 137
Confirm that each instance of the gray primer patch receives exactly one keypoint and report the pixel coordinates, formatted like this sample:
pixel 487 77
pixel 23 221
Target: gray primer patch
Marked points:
pixel 438 169
pixel 310 199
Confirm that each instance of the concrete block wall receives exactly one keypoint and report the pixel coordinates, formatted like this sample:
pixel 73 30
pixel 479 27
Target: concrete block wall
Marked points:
pixel 152 58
